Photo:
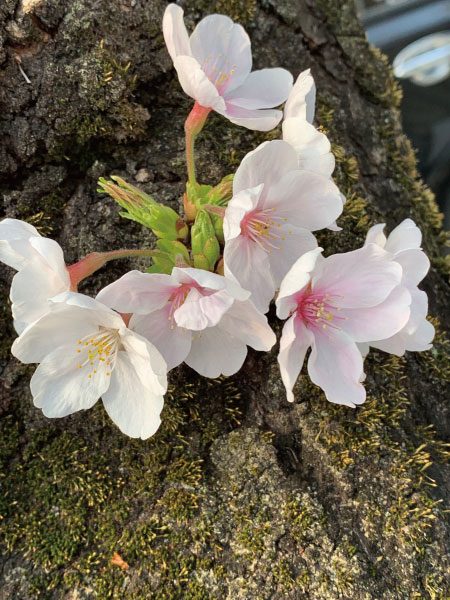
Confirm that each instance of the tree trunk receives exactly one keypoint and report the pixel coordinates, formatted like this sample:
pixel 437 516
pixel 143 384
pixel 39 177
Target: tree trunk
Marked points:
pixel 240 495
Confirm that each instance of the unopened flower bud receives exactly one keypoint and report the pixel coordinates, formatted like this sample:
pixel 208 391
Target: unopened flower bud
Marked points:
pixel 170 254
pixel 140 207
pixel 205 246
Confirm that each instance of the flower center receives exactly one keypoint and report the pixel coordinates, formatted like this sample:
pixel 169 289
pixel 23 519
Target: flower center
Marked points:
pixel 263 227
pixel 219 72
pixel 98 352
pixel 319 310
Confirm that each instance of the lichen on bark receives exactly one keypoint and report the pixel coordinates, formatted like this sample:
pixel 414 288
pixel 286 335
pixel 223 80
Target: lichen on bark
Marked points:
pixel 239 495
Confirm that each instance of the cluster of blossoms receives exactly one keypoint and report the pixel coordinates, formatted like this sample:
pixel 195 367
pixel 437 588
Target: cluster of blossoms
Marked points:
pixel 240 244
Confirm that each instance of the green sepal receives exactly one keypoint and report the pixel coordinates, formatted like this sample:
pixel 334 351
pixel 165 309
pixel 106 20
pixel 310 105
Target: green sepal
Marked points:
pixel 142 208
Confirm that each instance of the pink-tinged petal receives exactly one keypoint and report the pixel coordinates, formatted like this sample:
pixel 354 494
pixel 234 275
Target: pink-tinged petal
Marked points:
pixel 312 146
pixel 336 366
pixel 377 322
pixel 147 361
pixel 199 311
pixel 249 265
pixel 196 84
pixel 238 207
pixel 302 99
pixel 15 248
pixel 246 323
pixel 404 237
pixel 266 88
pixel 257 120
pixel 211 281
pixel 222 48
pixel 138 293
pixel 52 254
pixel 129 403
pixel 306 199
pixel 294 343
pixel 215 352
pixel 415 265
pixel 296 242
pixel 416 335
pixel 173 342
pixel 358 279
pixel 375 235
pixel 60 388
pixel 62 326
pixel 267 164
pixel 175 32
pixel 298 277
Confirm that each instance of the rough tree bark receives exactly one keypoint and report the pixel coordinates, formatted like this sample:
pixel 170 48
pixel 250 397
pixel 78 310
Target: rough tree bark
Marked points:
pixel 240 495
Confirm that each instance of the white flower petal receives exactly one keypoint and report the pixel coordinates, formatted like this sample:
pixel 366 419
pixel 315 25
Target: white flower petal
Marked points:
pixel 416 335
pixel 32 288
pixel 52 254
pixel 246 323
pixel 138 293
pixel 249 264
pixel 130 404
pixel 147 361
pixel 60 388
pixel 238 207
pixel 415 265
pixel 302 99
pixel 404 237
pixel 358 279
pixel 175 33
pixel 215 352
pixel 198 311
pixel 294 343
pixel 306 199
pixel 222 48
pixel 336 366
pixel 63 326
pixel 266 88
pixel 196 84
pixel 15 248
pixel 266 164
pixel 375 235
pixel 172 341
pixel 296 242
pixel 312 146
pixel 377 322
pixel 257 119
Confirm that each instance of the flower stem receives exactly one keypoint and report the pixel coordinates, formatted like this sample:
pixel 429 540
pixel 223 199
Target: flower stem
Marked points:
pixel 193 125
pixel 95 260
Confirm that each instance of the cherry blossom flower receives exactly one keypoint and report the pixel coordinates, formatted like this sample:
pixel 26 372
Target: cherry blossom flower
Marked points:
pixel 194 316
pixel 214 65
pixel 268 222
pixel 86 351
pixel 403 244
pixel 332 304
pixel 42 272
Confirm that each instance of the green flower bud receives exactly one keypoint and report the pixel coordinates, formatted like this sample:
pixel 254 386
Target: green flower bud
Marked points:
pixel 140 207
pixel 205 246
pixel 170 254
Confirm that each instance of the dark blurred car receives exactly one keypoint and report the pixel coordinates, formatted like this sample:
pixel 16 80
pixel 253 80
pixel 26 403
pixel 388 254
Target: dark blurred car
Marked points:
pixel 415 34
